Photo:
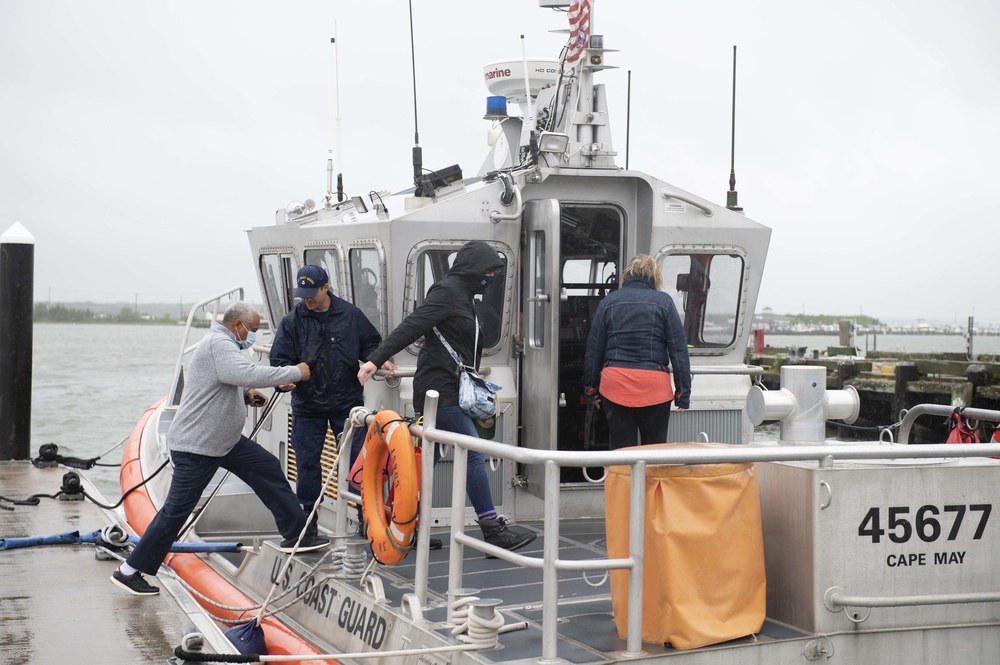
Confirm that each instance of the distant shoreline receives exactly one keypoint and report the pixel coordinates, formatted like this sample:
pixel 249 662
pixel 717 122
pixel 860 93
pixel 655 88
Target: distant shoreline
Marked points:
pixel 105 322
pixel 787 333
pixel 861 333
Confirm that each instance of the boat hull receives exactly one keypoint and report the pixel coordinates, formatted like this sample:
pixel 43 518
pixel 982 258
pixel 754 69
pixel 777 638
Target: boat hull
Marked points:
pixel 216 592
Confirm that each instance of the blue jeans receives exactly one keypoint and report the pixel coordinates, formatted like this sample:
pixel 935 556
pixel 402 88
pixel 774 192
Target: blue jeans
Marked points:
pixel 250 463
pixel 623 421
pixel 453 419
pixel 308 438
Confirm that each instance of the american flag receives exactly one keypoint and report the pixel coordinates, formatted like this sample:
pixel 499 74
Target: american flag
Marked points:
pixel 579 29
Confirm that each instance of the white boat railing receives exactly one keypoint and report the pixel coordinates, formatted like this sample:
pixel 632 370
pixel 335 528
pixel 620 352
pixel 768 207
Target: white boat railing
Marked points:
pixel 553 460
pixel 906 422
pixel 213 305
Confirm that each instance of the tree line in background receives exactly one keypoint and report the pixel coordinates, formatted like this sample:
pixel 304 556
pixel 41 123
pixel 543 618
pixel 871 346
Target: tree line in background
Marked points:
pixel 59 313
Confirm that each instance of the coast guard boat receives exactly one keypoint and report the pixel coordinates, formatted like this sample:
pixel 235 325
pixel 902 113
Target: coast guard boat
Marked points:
pixel 865 552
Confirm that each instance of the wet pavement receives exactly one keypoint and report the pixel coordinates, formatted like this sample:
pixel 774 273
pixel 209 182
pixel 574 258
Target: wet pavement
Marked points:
pixel 57 604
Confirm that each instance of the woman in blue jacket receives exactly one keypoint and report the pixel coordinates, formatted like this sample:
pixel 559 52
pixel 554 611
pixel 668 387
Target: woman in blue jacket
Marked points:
pixel 636 338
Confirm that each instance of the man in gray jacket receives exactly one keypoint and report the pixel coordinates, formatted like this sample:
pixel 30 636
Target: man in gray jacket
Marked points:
pixel 207 434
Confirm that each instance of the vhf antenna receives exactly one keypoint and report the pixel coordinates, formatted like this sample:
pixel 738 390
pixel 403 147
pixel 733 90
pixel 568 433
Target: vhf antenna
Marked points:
pixel 334 104
pixel 732 195
pixel 418 167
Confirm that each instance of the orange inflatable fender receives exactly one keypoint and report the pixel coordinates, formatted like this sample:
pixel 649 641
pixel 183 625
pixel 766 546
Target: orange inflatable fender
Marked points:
pixel 390 529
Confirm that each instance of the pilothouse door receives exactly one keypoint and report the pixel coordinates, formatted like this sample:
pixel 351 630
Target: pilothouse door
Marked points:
pixel 572 260
pixel 539 404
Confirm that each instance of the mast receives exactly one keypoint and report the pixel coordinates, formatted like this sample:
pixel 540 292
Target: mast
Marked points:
pixel 418 159
pixel 334 129
pixel 732 195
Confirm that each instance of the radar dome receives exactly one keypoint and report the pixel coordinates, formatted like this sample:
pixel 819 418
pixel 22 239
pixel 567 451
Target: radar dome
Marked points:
pixel 506 77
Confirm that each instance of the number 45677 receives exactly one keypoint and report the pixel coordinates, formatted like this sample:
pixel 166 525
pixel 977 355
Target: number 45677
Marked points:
pixel 926 523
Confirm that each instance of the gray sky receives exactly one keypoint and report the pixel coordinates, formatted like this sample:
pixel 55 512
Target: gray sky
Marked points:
pixel 140 139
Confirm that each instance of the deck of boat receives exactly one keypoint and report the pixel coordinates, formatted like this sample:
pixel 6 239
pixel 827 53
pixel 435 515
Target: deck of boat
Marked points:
pixel 587 632
pixel 57 604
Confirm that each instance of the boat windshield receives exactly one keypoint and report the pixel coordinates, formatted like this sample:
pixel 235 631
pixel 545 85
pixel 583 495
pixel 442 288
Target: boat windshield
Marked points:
pixel 329 258
pixel 367 284
pixel 431 263
pixel 706 287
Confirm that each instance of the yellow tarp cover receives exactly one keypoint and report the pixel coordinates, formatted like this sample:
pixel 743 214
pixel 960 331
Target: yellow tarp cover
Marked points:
pixel 704 551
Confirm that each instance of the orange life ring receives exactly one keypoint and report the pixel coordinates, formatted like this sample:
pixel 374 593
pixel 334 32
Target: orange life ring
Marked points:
pixel 388 436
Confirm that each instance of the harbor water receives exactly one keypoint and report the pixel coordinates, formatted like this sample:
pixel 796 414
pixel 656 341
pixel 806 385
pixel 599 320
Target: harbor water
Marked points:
pixel 981 345
pixel 90 383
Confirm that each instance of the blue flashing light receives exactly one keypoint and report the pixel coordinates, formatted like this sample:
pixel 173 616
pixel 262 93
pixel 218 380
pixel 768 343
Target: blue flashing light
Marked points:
pixel 496 107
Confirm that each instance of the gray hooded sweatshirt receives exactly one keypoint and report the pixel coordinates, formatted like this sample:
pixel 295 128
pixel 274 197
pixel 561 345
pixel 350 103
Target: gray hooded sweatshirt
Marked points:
pixel 210 418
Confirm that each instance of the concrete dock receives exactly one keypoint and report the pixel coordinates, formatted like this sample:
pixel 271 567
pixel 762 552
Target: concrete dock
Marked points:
pixel 57 604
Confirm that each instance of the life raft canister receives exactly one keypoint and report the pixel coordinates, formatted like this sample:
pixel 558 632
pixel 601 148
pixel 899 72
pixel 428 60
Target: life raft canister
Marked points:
pixel 388 444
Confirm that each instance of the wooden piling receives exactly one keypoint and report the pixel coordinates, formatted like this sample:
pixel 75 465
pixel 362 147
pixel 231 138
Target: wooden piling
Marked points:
pixel 904 373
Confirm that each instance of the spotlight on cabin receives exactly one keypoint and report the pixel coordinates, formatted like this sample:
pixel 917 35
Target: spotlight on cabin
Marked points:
pixel 297 209
pixel 359 204
pixel 553 142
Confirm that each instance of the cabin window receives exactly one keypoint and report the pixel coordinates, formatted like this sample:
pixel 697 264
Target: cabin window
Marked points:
pixel 277 273
pixel 433 263
pixel 329 259
pixel 367 286
pixel 706 287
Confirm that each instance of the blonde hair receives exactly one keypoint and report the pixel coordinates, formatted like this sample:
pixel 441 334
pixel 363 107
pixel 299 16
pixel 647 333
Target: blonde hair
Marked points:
pixel 644 267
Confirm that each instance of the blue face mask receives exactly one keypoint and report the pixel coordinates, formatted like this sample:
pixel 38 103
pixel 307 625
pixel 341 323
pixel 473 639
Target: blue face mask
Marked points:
pixel 249 341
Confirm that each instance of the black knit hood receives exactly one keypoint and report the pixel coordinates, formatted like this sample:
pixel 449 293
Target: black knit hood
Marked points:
pixel 475 259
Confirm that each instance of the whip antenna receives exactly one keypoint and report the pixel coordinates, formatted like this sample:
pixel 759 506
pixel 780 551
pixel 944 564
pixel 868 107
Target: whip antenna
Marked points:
pixel 732 195
pixel 417 153
pixel 628 116
pixel 334 103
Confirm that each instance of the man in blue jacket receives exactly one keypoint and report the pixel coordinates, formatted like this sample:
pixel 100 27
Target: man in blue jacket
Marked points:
pixel 331 336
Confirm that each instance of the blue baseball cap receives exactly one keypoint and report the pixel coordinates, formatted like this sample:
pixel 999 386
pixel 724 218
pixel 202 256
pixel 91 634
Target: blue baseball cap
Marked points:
pixel 309 280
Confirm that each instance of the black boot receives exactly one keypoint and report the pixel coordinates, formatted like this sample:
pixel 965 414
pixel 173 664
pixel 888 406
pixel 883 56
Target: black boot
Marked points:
pixel 496 532
pixel 312 529
pixel 362 527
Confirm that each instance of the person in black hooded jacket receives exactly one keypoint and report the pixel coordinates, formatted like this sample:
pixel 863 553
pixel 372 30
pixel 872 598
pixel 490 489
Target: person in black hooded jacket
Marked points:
pixel 449 307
